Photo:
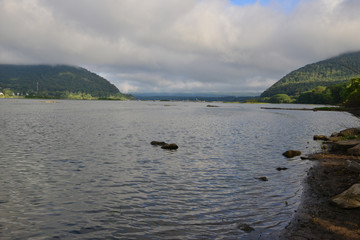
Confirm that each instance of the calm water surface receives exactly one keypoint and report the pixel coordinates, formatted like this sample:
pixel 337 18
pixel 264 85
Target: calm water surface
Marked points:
pixel 86 169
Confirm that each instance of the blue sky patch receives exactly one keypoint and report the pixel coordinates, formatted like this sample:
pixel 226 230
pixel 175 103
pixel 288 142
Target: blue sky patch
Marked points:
pixel 249 2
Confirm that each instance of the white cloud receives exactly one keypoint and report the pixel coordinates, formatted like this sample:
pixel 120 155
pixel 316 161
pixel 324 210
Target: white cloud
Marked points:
pixel 178 45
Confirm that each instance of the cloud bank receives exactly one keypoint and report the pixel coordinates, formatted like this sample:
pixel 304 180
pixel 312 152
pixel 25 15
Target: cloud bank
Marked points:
pixel 179 45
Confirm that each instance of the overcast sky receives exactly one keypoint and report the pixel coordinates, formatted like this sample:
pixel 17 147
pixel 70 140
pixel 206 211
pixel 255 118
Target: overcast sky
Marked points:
pixel 197 46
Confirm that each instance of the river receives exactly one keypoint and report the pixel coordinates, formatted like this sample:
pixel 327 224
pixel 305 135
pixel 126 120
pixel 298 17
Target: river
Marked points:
pixel 87 170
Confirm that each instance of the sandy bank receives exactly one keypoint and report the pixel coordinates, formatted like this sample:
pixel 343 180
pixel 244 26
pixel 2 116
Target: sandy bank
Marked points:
pixel 316 217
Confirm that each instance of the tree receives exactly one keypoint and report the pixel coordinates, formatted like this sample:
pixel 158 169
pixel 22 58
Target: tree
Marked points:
pixel 280 98
pixel 352 93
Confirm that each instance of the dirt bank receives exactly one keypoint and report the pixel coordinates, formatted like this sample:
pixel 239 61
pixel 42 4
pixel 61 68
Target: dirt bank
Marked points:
pixel 316 217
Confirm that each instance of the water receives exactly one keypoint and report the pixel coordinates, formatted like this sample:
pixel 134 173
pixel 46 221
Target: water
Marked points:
pixel 86 169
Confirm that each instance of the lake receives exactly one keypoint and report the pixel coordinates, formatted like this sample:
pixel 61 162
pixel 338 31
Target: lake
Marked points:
pixel 87 170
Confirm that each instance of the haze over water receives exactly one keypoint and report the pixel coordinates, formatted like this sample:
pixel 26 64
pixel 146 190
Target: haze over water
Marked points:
pixel 86 169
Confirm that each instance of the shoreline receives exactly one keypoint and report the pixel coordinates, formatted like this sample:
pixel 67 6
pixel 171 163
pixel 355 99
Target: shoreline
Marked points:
pixel 353 111
pixel 316 217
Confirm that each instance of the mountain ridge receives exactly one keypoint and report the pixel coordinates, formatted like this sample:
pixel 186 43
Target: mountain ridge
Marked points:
pixel 55 81
pixel 331 71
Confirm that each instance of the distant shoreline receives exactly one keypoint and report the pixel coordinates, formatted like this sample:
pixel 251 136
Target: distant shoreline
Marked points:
pixel 50 98
pixel 354 111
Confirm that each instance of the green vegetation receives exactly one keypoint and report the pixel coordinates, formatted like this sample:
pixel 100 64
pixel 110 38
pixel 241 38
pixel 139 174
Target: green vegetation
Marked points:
pixel 334 81
pixel 333 71
pixel 58 81
pixel 281 98
pixel 347 94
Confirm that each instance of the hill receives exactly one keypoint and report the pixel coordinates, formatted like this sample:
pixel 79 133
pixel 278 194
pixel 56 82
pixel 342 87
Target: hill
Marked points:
pixel 55 81
pixel 336 70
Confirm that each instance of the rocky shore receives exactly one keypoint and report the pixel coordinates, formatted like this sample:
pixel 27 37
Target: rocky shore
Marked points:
pixel 319 216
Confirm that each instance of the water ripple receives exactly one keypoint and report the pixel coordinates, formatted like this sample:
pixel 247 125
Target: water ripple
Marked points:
pixel 86 170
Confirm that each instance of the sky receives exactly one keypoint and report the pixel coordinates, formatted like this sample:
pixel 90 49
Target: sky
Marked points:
pixel 180 46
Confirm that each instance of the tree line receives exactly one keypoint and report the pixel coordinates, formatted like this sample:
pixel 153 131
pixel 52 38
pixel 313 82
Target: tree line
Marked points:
pixel 346 94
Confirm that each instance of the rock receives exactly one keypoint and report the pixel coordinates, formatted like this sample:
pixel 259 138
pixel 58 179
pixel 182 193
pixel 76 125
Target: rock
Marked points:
pixel 344 145
pixel 350 132
pixel 211 106
pixel 156 143
pixel 281 168
pixel 321 137
pixel 353 166
pixel 355 151
pixel 334 134
pixel 335 139
pixel 263 179
pixel 291 153
pixel 304 158
pixel 246 227
pixel 349 198
pixel 171 146
pixel 164 145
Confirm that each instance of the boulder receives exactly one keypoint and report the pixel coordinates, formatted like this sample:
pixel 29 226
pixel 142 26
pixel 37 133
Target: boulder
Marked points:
pixel 344 145
pixel 349 198
pixel 291 153
pixel 171 146
pixel 353 166
pixel 335 139
pixel 355 151
pixel 334 134
pixel 321 137
pixel 350 132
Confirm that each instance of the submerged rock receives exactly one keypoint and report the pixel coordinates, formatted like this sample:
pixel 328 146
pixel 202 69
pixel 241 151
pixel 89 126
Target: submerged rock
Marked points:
pixel 263 179
pixel 211 106
pixel 291 153
pixel 156 143
pixel 281 168
pixel 349 198
pixel 171 146
pixel 246 227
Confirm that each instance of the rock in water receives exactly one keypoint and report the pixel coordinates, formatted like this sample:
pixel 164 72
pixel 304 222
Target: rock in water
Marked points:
pixel 263 179
pixel 246 227
pixel 349 198
pixel 321 137
pixel 171 146
pixel 291 153
pixel 156 143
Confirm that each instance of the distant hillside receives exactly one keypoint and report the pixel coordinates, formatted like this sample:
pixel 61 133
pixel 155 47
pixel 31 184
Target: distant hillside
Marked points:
pixel 332 71
pixel 54 81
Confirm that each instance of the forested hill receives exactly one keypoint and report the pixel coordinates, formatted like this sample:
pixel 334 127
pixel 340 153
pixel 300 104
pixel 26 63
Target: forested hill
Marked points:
pixel 55 81
pixel 332 71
